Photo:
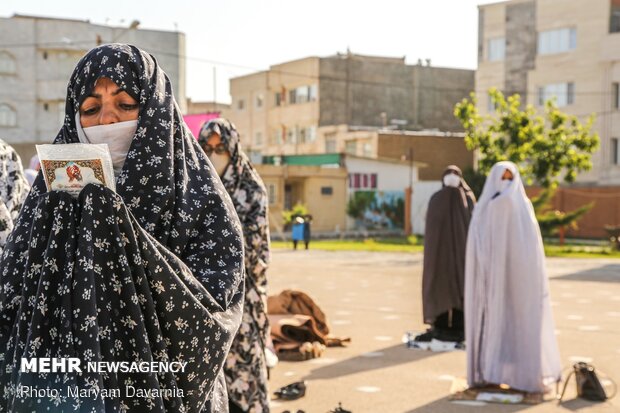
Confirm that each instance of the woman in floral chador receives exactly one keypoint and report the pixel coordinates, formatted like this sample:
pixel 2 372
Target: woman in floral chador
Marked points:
pixel 245 368
pixel 153 272
pixel 13 190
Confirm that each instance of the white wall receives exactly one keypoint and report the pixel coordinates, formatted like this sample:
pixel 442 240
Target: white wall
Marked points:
pixel 422 192
pixel 390 176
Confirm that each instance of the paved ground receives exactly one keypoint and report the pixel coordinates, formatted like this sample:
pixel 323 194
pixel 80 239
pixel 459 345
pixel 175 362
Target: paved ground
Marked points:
pixel 375 297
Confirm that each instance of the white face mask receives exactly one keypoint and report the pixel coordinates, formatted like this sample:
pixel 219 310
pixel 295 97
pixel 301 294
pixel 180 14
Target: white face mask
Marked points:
pixel 452 180
pixel 504 184
pixel 117 136
pixel 220 162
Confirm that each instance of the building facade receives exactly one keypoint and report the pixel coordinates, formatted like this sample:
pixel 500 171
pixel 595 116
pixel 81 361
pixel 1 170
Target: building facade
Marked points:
pixel 300 107
pixel 566 49
pixel 341 191
pixel 37 57
pixel 322 190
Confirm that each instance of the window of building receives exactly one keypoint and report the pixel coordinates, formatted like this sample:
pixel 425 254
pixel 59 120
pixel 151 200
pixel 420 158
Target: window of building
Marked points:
pixel 367 149
pixel 496 49
pixel 311 133
pixel 313 92
pixel 278 136
pixel 563 93
pixel 258 138
pixel 330 145
pixel 491 106
pixel 291 135
pixel 278 99
pixel 557 41
pixel 8 116
pixel 7 64
pixel 614 16
pixel 616 95
pixel 327 190
pixel 363 181
pixel 350 147
pixel 259 101
pixel 301 94
pixel 272 193
pixel 307 134
pixel 615 147
pixel 240 104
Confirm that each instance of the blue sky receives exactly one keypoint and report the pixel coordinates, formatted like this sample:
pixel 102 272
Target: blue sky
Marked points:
pixel 250 35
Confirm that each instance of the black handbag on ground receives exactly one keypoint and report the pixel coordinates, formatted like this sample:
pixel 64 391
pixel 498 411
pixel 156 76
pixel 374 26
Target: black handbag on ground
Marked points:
pixel 589 386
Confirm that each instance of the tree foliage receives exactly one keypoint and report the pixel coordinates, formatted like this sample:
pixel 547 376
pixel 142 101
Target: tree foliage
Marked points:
pixel 547 148
pixel 543 146
pixel 551 220
pixel 298 209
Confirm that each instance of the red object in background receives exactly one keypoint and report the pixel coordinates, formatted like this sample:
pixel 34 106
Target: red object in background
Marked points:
pixel 373 181
pixel 195 122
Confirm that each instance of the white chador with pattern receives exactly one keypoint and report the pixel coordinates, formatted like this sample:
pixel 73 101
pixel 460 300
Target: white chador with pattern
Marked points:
pixel 509 324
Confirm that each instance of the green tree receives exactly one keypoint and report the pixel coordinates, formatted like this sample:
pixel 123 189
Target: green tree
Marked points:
pixel 547 148
pixel 359 202
pixel 298 209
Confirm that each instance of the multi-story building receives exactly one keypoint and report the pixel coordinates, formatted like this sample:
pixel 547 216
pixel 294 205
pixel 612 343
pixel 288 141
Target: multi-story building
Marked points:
pixel 37 57
pixel 199 107
pixel 567 49
pixel 300 107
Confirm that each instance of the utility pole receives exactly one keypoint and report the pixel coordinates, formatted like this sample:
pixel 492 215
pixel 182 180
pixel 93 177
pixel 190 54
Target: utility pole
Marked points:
pixel 214 90
pixel 409 197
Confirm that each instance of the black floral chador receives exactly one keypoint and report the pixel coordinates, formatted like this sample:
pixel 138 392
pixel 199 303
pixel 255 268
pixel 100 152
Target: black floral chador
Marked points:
pixel 245 368
pixel 13 190
pixel 153 272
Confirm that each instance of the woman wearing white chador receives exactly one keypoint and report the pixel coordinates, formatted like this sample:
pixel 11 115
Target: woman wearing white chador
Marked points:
pixel 509 325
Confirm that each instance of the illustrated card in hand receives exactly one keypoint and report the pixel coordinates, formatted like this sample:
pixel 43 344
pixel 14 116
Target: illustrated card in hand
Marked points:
pixel 71 167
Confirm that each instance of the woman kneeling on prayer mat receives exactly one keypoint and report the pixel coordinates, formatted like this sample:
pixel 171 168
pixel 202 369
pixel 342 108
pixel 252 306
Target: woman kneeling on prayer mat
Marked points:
pixel 509 325
pixel 151 273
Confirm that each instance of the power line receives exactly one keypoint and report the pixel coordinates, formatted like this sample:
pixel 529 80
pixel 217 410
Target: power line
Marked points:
pixel 464 91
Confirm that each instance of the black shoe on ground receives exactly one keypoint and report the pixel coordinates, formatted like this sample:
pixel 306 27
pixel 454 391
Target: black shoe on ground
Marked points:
pixel 425 337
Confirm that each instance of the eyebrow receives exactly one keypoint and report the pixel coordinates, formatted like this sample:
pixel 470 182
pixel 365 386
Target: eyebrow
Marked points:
pixel 97 95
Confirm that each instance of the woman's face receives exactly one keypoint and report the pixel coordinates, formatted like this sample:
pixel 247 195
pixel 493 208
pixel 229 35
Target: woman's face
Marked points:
pixel 215 145
pixel 215 139
pixel 507 175
pixel 107 104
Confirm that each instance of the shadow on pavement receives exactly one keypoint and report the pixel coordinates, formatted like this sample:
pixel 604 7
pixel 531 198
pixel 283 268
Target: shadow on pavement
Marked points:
pixel 577 404
pixel 605 273
pixel 446 406
pixel 398 354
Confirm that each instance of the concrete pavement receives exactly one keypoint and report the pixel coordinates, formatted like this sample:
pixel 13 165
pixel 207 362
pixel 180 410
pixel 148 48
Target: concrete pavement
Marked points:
pixel 375 298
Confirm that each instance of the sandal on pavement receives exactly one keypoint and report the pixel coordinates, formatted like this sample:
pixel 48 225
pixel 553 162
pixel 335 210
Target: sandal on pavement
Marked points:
pixel 292 391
